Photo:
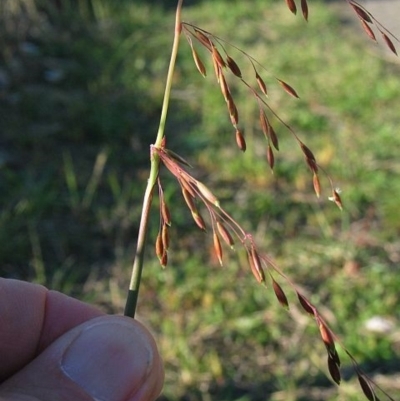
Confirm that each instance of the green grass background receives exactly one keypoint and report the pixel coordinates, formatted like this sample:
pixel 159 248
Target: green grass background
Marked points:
pixel 80 95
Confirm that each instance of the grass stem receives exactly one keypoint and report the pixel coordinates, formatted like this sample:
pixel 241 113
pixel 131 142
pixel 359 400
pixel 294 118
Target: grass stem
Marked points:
pixel 133 293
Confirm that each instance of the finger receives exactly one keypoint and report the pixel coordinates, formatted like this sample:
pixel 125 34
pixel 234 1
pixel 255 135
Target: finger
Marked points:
pixel 31 317
pixel 109 358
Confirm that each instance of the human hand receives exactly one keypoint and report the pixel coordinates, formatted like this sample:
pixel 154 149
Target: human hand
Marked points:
pixel 55 348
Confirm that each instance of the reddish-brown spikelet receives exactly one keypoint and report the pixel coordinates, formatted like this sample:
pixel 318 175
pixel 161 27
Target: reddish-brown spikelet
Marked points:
pixel 337 199
pixel 280 295
pixel 164 260
pixel 255 265
pixel 317 185
pixel 307 152
pixel 185 184
pixel 217 247
pixel 208 195
pixel 363 14
pixel 273 136
pixel 199 64
pixel 261 84
pixel 233 112
pixel 231 63
pixel 224 86
pixel 217 56
pixel 292 6
pixel 203 39
pixel 326 335
pixel 264 122
pixel 304 9
pixel 189 200
pixel 366 388
pixel 199 220
pixel 312 164
pixel 165 213
pixel 288 89
pixel 368 30
pixel 241 142
pixel 270 157
pixel 306 304
pixel 333 354
pixel 389 43
pixel 310 158
pixel 165 237
pixel 225 234
pixel 217 68
pixel 159 246
pixel 334 370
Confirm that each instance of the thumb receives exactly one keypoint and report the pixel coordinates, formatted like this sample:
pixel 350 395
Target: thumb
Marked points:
pixel 109 358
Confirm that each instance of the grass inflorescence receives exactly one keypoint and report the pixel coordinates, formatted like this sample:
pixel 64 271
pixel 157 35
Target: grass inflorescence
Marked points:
pixel 195 191
pixel 221 336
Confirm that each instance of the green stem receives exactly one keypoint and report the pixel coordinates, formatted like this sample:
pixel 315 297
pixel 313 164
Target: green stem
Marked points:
pixel 137 268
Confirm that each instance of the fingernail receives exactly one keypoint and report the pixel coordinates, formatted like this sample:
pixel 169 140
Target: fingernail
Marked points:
pixel 109 360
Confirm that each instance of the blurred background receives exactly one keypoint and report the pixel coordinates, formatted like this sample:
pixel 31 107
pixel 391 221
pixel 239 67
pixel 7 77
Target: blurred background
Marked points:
pixel 81 85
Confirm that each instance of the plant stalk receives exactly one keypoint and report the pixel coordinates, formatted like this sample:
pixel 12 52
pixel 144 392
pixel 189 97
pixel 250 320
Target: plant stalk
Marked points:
pixel 133 293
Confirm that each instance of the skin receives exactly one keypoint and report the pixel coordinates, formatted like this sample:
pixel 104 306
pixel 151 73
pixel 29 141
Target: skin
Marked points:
pixel 53 347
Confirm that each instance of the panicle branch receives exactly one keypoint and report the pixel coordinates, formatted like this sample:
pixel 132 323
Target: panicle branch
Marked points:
pixel 216 47
pixel 369 23
pixel 226 228
pixel 367 20
pixel 226 231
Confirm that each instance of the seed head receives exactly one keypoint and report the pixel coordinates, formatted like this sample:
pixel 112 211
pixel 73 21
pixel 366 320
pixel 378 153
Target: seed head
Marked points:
pixel 186 185
pixel 368 30
pixel 389 43
pixel 231 63
pixel 292 6
pixel 256 267
pixel 366 388
pixel 304 9
pixel 326 335
pixel 203 39
pixel 165 237
pixel 310 158
pixel 159 246
pixel 233 112
pixel 334 370
pixel 217 56
pixel 189 199
pixel 280 295
pixel 199 64
pixel 165 212
pixel 288 89
pixel 270 157
pixel 362 13
pixel 273 136
pixel 241 142
pixel 261 84
pixel 225 234
pixel 208 195
pixel 336 198
pixel 224 86
pixel 164 260
pixel 217 247
pixel 199 220
pixel 317 185
pixel 264 122
pixel 307 306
